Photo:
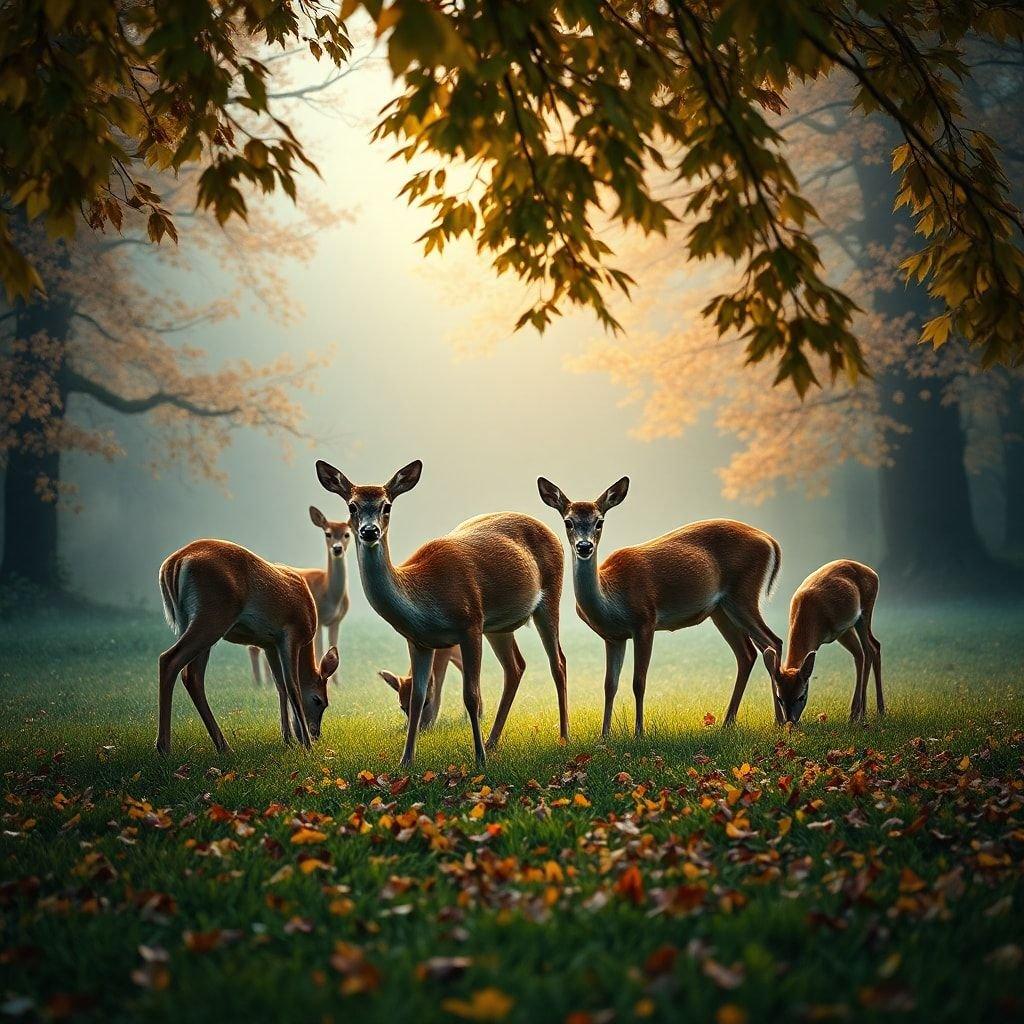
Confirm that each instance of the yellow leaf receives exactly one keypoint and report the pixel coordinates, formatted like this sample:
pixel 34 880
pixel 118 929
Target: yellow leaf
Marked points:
pixel 486 1004
pixel 305 836
pixel 580 800
pixel 785 824
pixel 477 812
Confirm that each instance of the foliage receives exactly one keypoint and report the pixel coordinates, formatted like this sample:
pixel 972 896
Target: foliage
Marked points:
pixel 744 874
pixel 565 115
pixel 93 93
pixel 570 112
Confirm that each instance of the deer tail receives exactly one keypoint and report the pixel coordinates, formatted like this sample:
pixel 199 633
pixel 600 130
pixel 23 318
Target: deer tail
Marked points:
pixel 773 575
pixel 168 596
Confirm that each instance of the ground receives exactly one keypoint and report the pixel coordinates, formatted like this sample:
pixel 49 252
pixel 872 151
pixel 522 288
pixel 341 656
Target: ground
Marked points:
pixel 833 872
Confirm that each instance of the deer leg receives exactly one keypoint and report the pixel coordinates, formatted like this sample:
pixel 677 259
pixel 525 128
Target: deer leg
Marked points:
pixel 513 665
pixel 852 643
pixel 749 619
pixel 438 670
pixel 422 661
pixel 746 656
pixel 332 641
pixel 277 671
pixel 872 663
pixel 254 659
pixel 643 644
pixel 545 618
pixel 172 663
pixel 614 655
pixel 472 656
pixel 194 678
pixel 290 661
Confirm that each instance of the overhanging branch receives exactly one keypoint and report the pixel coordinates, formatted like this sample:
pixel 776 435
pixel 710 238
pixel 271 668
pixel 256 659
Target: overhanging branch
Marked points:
pixel 77 384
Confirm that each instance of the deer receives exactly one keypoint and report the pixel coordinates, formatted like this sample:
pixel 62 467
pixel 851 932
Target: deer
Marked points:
pixel 402 685
pixel 329 587
pixel 215 590
pixel 834 603
pixel 488 577
pixel 716 569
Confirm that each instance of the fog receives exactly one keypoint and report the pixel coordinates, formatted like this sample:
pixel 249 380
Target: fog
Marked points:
pixel 396 388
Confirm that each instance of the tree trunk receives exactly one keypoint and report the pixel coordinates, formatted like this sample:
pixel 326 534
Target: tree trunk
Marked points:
pixel 933 548
pixel 30 544
pixel 1013 463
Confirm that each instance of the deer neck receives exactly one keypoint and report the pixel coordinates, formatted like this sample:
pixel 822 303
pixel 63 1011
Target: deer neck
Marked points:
pixel 591 594
pixel 385 589
pixel 337 578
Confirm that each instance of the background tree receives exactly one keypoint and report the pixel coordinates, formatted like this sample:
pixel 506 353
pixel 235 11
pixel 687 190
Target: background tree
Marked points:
pixel 925 420
pixel 560 112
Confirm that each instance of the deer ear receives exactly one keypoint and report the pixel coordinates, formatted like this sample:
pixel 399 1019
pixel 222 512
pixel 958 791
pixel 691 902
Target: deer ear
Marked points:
pixel 391 679
pixel 404 480
pixel 317 518
pixel 807 667
pixel 334 480
pixel 551 495
pixel 329 663
pixel 615 495
pixel 771 661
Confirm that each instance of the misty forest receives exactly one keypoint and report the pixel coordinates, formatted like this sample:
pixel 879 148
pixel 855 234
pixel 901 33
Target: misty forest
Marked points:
pixel 712 312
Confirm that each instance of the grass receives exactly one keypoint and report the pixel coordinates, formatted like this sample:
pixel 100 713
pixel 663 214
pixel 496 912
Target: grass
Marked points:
pixel 699 874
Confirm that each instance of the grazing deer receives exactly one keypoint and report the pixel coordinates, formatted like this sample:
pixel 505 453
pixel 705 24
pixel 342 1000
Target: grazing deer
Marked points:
pixel 834 603
pixel 402 685
pixel 214 590
pixel 486 578
pixel 713 569
pixel 329 588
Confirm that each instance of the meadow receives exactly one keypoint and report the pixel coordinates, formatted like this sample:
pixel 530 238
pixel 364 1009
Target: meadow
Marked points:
pixel 828 873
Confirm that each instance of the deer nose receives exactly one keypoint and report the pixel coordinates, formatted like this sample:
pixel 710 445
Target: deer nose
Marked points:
pixel 337 549
pixel 584 548
pixel 369 532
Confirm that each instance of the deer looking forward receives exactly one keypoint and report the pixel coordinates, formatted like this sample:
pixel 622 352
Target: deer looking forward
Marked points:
pixel 329 587
pixel 486 578
pixel 213 590
pixel 834 603
pixel 713 569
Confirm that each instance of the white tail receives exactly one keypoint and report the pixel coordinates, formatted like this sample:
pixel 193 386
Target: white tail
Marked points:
pixel 835 602
pixel 215 590
pixel 714 569
pixel 329 587
pixel 486 578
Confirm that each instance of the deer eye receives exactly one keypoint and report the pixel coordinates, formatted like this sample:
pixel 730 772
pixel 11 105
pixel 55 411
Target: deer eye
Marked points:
pixel 352 507
pixel 598 525
pixel 385 509
pixel 568 524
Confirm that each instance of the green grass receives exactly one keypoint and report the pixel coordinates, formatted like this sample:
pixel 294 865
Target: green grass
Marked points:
pixel 558 907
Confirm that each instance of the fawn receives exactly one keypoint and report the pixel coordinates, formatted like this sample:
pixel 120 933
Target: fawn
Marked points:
pixel 402 685
pixel 329 588
pixel 215 590
pixel 834 603
pixel 712 569
pixel 486 578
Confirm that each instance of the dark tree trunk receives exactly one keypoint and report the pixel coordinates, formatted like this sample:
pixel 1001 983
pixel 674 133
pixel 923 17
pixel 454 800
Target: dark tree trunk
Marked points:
pixel 1013 462
pixel 30 547
pixel 933 548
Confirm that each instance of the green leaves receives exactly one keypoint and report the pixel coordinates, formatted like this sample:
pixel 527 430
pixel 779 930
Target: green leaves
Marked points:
pixel 92 93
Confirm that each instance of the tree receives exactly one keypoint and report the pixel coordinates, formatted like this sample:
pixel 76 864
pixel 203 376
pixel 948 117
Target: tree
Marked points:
pixel 559 112
pixel 911 422
pixel 100 336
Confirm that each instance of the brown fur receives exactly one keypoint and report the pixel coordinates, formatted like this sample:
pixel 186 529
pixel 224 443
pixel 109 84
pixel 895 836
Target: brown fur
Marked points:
pixel 835 602
pixel 402 685
pixel 215 590
pixel 713 569
pixel 486 578
pixel 332 602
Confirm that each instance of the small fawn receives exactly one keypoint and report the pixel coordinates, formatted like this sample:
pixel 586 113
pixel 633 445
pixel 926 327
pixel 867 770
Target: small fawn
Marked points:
pixel 486 578
pixel 712 569
pixel 402 685
pixel 329 588
pixel 214 590
pixel 834 603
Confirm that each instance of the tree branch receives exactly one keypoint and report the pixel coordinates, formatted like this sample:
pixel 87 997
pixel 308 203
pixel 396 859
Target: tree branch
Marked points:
pixel 77 384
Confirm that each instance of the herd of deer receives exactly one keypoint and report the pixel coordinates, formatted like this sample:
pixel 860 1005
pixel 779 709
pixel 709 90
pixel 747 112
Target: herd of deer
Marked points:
pixel 485 579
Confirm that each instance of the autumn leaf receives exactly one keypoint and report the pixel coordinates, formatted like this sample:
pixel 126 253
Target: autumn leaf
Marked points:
pixel 630 885
pixel 305 836
pixel 486 1004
